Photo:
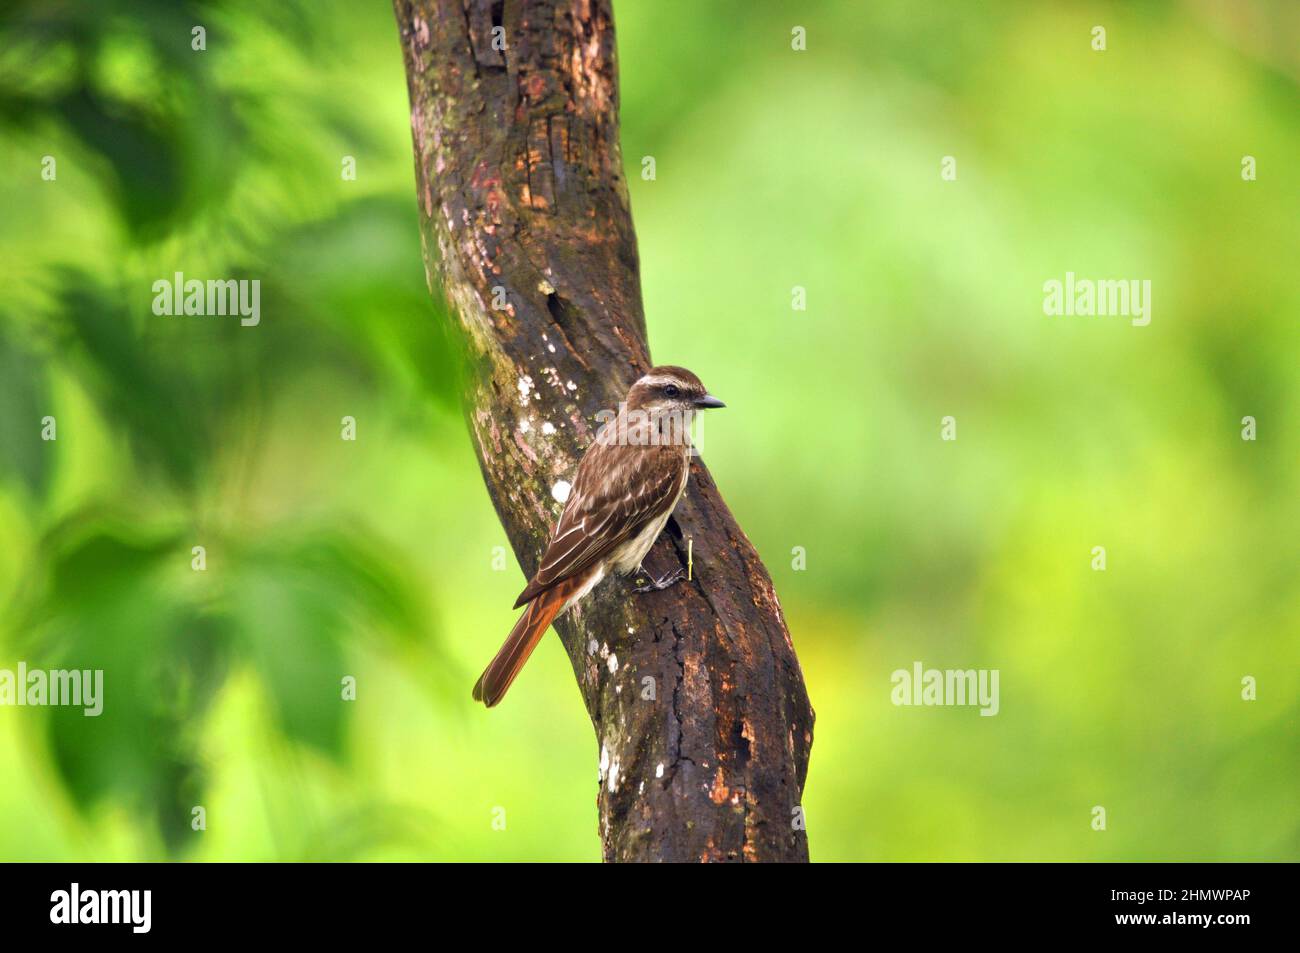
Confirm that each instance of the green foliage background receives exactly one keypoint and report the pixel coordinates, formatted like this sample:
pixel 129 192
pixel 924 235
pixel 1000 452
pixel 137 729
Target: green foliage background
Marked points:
pixel 775 169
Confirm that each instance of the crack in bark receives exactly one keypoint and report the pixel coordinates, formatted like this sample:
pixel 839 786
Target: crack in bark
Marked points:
pixel 679 747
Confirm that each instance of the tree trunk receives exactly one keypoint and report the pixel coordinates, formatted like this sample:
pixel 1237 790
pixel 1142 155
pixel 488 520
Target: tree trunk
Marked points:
pixel 698 702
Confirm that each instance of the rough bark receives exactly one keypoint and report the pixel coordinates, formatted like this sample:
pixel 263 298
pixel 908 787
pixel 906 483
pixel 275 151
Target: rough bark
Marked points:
pixel 701 716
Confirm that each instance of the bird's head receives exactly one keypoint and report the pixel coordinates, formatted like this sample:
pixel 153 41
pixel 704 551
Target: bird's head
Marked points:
pixel 669 389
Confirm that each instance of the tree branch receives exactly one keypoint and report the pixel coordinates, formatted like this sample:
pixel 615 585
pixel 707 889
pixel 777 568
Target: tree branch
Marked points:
pixel 695 693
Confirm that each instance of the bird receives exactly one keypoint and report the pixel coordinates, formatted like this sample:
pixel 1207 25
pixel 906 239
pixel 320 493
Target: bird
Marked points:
pixel 628 483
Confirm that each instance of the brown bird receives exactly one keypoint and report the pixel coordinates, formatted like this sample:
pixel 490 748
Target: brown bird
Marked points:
pixel 627 485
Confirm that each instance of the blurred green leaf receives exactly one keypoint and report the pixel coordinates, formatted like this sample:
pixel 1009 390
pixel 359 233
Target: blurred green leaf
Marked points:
pixel 299 603
pixel 24 401
pixel 106 607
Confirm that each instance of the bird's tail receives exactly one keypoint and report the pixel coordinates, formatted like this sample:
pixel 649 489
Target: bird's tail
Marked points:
pixel 528 631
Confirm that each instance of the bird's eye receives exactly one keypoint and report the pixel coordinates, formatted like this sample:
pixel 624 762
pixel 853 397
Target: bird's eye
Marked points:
pixel 671 390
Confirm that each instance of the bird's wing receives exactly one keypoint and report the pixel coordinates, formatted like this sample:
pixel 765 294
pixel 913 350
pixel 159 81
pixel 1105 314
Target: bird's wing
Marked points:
pixel 617 490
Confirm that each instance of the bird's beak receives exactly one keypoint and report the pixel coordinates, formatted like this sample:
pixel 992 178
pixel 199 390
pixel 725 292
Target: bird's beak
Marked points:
pixel 708 402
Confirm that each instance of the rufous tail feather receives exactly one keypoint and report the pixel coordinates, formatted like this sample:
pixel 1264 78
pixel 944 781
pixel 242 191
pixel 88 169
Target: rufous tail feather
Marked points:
pixel 528 631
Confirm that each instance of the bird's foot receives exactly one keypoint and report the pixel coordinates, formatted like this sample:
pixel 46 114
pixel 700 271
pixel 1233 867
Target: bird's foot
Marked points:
pixel 663 582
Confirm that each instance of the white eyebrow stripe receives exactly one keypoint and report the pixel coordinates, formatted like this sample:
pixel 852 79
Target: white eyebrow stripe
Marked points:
pixel 659 380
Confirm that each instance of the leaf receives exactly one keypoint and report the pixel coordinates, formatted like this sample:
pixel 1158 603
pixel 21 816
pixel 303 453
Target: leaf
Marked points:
pixel 292 631
pixel 24 401
pixel 165 420
pixel 300 602
pixel 107 609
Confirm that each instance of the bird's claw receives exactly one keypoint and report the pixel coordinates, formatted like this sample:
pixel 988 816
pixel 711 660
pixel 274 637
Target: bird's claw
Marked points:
pixel 663 582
